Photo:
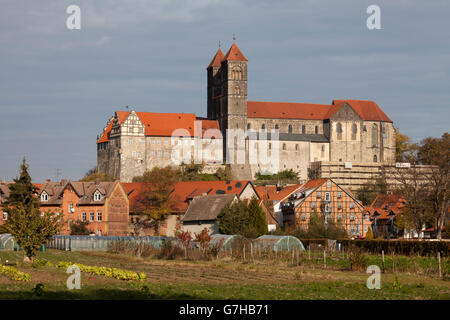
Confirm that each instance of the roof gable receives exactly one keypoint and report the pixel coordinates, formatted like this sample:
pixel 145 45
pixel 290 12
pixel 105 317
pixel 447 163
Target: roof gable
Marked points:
pixel 235 54
pixel 217 59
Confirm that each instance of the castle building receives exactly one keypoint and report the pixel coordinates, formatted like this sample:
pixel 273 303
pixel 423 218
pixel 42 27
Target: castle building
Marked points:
pixel 345 131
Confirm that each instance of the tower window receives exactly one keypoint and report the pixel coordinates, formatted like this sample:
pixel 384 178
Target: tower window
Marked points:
pixel 248 126
pixel 375 158
pixel 303 129
pixel 290 129
pixel 374 135
pixel 284 146
pixel 263 127
pixel 237 90
pixel 276 127
pixel 296 147
pixel 339 131
pixel 354 131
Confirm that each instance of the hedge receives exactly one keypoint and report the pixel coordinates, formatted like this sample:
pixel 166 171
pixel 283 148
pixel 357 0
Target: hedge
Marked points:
pixel 403 247
pixel 307 242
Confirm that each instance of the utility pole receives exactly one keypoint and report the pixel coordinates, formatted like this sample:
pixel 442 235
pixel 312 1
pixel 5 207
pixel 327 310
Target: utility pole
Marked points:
pixel 58 174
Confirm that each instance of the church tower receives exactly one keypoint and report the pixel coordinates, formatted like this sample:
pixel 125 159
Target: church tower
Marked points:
pixel 214 83
pixel 233 113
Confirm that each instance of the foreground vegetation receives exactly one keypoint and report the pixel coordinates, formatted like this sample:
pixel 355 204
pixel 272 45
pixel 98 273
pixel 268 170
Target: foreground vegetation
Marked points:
pixel 222 279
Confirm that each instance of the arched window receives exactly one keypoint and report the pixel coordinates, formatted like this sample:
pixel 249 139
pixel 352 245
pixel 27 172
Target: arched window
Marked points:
pixel 303 129
pixel 263 127
pixel 339 131
pixel 290 129
pixel 316 129
pixel 237 90
pixel 248 126
pixel 284 146
pixel 374 135
pixel 375 158
pixel 276 127
pixel 354 131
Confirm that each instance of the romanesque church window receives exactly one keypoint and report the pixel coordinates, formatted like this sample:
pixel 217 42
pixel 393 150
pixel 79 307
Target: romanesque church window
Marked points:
pixel 339 131
pixel 290 129
pixel 237 90
pixel 284 146
pixel 303 129
pixel 316 129
pixel 354 131
pixel 374 135
pixel 248 126
pixel 263 127
pixel 296 147
pixel 276 127
pixel 375 159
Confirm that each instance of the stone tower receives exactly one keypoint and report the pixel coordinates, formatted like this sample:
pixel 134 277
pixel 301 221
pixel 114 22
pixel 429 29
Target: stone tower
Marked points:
pixel 227 102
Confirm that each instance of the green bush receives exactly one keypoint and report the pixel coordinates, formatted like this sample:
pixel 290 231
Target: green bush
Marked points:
pixel 402 247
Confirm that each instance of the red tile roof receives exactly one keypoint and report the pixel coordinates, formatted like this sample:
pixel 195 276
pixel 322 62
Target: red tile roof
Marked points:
pixel 270 192
pixel 235 54
pixel 183 191
pixel 162 124
pixel 367 110
pixel 384 204
pixel 218 57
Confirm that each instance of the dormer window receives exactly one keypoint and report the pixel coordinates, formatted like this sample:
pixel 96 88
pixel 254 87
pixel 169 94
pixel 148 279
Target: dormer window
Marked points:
pixel 44 196
pixel 97 196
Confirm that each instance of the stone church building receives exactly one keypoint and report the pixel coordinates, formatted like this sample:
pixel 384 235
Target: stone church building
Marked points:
pixel 345 132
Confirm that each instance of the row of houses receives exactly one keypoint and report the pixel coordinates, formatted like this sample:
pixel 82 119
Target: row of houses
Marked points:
pixel 113 208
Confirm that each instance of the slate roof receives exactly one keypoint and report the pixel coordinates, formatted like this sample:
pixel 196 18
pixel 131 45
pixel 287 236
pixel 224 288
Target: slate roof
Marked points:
pixel 206 208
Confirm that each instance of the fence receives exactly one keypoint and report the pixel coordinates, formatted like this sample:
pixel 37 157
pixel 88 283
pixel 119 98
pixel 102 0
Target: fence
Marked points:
pixel 96 243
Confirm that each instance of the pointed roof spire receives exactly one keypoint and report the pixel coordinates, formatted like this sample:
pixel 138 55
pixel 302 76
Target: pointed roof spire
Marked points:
pixel 215 62
pixel 235 54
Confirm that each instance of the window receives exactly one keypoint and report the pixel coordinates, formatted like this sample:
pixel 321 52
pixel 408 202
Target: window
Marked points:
pixel 152 152
pixel 237 90
pixel 339 195
pixel 327 196
pixel 296 147
pixel 166 142
pixel 133 154
pixel 130 141
pixel 316 129
pixel 83 216
pixel 352 217
pixel 44 196
pixel 153 141
pixel 91 216
pixel 284 146
pixel 5 215
pixel 339 205
pixel 97 196
pixel 263 127
pixel 319 194
pixel 354 131
pixel 313 205
pixel 339 131
pixel 328 184
pixel 374 135
pixel 166 154
pixel 99 216
pixel 352 205
pixel 303 216
pixel 159 153
pixel 340 216
pixel 353 229
pixel 303 129
pixel 270 146
pixel 290 129
pixel 248 126
pixel 71 209
pixel 276 127
pixel 375 159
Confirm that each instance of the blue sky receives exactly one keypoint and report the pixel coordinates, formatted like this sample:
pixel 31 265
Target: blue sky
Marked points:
pixel 58 87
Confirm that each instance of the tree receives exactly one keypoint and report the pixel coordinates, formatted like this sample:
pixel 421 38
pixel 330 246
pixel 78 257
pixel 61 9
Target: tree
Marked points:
pixel 30 227
pixel 92 175
pixel 436 153
pixel 281 175
pixel 404 149
pixel 156 198
pixel 243 218
pixel 367 193
pixel 369 234
pixel 80 228
pixel 317 229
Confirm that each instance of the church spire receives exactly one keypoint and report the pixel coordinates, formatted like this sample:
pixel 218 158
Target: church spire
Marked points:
pixel 215 62
pixel 235 53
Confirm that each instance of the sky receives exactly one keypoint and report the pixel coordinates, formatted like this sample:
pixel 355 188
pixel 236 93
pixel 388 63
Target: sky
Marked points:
pixel 59 87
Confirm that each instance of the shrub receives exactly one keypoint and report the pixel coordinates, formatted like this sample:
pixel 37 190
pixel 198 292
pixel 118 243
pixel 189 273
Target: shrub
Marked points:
pixel 14 274
pixel 105 271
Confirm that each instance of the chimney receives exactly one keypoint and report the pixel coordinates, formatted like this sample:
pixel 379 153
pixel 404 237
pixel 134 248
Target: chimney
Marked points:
pixel 48 181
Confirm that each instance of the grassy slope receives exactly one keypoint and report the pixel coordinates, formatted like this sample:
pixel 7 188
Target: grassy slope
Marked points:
pixel 212 280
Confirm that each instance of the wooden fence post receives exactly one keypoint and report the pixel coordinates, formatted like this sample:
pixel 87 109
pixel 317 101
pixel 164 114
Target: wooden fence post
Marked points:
pixel 393 264
pixel 324 259
pixel 309 249
pixel 382 258
pixel 251 251
pixel 439 264
pixel 243 252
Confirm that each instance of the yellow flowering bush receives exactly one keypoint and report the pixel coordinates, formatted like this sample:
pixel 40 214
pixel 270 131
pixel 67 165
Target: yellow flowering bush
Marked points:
pixel 14 274
pixel 105 271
